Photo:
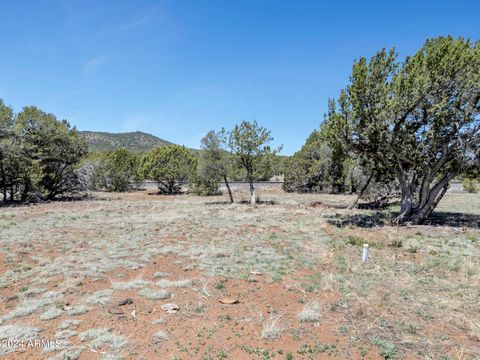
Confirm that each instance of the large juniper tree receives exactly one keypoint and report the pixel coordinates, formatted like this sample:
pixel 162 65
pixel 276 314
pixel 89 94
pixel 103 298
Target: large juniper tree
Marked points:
pixel 419 118
pixel 52 149
pixel 38 155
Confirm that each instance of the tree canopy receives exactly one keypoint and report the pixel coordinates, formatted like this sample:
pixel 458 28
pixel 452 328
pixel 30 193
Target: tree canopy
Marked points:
pixel 168 165
pixel 213 165
pixel 38 154
pixel 249 143
pixel 417 119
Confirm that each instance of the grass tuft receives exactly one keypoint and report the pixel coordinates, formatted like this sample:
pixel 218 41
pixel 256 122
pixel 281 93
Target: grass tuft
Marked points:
pixel 154 294
pixel 51 314
pixel 100 297
pixel 164 283
pixel 271 329
pixel 312 312
pixel 129 285
pixel 103 337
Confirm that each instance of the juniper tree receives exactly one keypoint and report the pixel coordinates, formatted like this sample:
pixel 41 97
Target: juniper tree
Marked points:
pixel 168 165
pixel 308 170
pixel 52 150
pixel 249 143
pixel 120 169
pixel 418 119
pixel 213 164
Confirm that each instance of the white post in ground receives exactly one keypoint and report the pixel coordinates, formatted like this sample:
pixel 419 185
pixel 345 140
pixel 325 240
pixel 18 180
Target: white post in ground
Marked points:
pixel 365 253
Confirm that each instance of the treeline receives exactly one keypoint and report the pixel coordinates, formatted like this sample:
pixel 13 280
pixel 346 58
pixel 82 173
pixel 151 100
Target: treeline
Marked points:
pixel 39 155
pixel 240 154
pixel 43 158
pixel 323 166
pixel 401 129
pixel 123 170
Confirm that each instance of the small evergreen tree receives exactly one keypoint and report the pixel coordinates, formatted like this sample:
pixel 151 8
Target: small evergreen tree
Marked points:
pixel 249 143
pixel 213 164
pixel 170 166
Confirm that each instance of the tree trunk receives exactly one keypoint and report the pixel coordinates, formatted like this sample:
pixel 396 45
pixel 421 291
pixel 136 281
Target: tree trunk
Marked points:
pixel 353 188
pixel 422 213
pixel 253 195
pixel 406 202
pixel 428 197
pixel 362 191
pixel 228 188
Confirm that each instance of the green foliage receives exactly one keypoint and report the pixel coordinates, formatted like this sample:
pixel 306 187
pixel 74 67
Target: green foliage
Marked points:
pixel 249 143
pixel 203 185
pixel 213 165
pixel 387 350
pixel 418 119
pixel 320 166
pixel 133 141
pixel 470 185
pixel 6 119
pixel 39 155
pixel 269 166
pixel 115 170
pixel 54 149
pixel 170 166
pixel 308 170
pixel 121 169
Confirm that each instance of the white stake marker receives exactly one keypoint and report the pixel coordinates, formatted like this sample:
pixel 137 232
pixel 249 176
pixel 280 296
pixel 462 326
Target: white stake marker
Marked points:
pixel 365 253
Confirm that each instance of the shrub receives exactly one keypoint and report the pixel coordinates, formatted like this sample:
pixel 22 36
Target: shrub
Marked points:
pixel 39 155
pixel 121 170
pixel 470 186
pixel 204 185
pixel 312 312
pixel 116 170
pixel 170 166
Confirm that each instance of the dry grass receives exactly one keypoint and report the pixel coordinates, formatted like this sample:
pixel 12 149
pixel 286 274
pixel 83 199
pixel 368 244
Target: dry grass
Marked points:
pixel 16 332
pixel 134 284
pixel 151 294
pixel 51 314
pixel 100 297
pixel 68 324
pixel 311 312
pixel 164 283
pixel 417 296
pixel 271 328
pixel 103 337
pixel 161 335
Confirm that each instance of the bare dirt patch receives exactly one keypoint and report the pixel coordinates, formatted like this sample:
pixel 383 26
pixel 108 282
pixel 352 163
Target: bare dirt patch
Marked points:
pixel 94 275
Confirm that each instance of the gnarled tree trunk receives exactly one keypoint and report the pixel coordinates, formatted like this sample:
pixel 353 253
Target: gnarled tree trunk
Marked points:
pixel 418 208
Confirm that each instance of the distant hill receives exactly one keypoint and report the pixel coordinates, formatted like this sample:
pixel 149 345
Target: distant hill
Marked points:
pixel 136 141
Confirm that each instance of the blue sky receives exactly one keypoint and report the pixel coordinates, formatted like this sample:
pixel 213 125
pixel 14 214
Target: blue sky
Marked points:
pixel 179 68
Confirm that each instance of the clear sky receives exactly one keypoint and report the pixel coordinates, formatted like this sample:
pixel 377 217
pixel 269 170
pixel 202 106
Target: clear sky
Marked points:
pixel 179 68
